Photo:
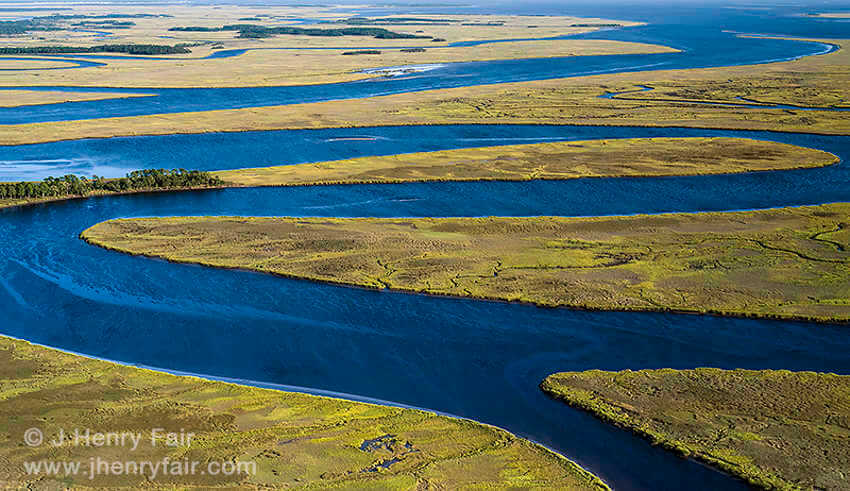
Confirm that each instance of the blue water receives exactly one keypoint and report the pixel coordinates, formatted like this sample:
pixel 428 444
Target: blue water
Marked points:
pixel 117 156
pixel 71 63
pixel 476 359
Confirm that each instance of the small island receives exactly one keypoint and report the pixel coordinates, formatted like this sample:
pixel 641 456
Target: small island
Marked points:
pixel 363 52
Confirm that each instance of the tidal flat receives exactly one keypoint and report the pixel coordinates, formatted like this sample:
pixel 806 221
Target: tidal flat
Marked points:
pixel 478 359
pixel 787 263
pixel 775 429
pixel 23 97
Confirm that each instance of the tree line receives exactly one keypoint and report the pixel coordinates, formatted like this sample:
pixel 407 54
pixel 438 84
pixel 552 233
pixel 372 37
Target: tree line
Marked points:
pixel 257 31
pixel 102 16
pixel 117 24
pixel 398 21
pixel 72 185
pixel 390 20
pixel 14 27
pixel 132 49
pixel 52 22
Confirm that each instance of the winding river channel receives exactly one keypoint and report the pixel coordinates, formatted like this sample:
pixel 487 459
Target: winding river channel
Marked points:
pixel 476 359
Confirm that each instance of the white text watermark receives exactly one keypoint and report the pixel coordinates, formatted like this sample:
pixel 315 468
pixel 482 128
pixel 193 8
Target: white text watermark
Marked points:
pixel 130 441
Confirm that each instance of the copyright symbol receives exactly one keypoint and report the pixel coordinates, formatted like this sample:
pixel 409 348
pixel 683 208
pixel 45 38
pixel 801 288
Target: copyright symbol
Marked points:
pixel 33 437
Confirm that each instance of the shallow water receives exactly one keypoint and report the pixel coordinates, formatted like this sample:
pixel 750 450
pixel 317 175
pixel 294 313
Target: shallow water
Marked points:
pixel 68 64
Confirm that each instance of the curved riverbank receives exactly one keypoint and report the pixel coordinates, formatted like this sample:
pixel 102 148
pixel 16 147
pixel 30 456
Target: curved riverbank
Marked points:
pixel 275 319
pixel 716 263
pixel 411 291
pixel 557 156
pixel 271 67
pixel 736 51
pixel 217 420
pixel 16 203
pixel 612 158
pixel 757 425
pixel 653 157
pixel 26 97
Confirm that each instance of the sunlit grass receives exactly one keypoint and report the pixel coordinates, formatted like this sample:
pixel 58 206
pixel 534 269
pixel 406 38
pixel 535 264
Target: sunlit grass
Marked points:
pixel 785 263
pixel 776 429
pixel 296 440
pixel 633 157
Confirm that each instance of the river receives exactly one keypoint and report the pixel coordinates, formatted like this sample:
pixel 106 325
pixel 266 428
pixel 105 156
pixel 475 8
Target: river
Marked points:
pixel 476 359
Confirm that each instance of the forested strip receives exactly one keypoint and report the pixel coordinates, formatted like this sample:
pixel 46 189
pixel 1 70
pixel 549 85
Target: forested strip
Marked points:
pixel 105 23
pixel 14 27
pixel 71 185
pixel 132 49
pixel 256 31
pixel 55 22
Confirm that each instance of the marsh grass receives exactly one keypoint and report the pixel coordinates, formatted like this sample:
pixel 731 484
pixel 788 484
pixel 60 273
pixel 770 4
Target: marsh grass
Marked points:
pixel 817 81
pixel 789 263
pixel 633 157
pixel 637 157
pixel 774 428
pixel 296 440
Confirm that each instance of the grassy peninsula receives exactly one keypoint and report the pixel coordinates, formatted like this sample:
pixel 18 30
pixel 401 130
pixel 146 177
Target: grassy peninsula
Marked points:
pixel 132 49
pixel 295 440
pixel 775 429
pixel 787 263
pixel 632 157
pixel 258 31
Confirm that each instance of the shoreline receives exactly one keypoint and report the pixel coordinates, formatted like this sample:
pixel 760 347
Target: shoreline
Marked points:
pixel 835 161
pixel 407 125
pixel 231 177
pixel 605 409
pixel 318 393
pixel 366 73
pixel 363 73
pixel 718 465
pixel 578 308
pixel 834 48
pixel 61 199
pixel 620 298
